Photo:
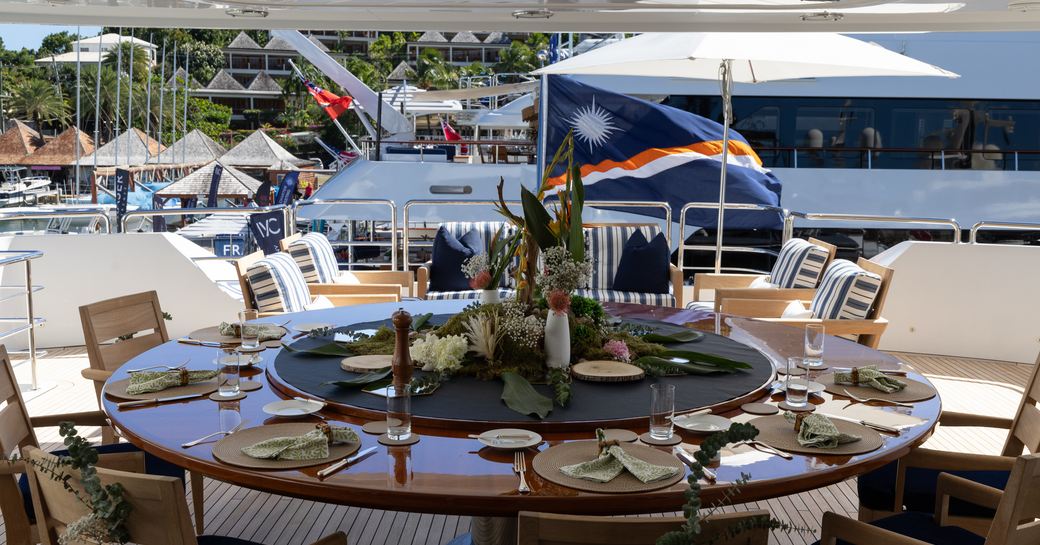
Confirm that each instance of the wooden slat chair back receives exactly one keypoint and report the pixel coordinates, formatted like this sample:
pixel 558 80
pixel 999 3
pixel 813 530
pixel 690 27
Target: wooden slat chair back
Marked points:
pixel 886 282
pixel 1025 428
pixel 712 281
pixel 242 269
pixel 370 280
pixel 552 529
pixel 1016 520
pixel 16 432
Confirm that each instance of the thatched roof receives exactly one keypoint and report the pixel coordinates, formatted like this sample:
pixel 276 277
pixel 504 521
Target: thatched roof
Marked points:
pixel 279 44
pixel 178 77
pixel 402 72
pixel 195 148
pixel 18 141
pixel 243 41
pixel 465 37
pixel 61 151
pixel 282 165
pixel 233 183
pixel 132 148
pixel 264 82
pixel 224 82
pixel 432 36
pixel 259 151
pixel 496 38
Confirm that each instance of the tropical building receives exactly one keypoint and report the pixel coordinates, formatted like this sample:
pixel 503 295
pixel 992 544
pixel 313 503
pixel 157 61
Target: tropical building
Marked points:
pixel 90 50
pixel 463 47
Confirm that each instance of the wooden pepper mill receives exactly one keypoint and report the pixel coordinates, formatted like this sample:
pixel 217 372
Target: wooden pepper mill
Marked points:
pixel 401 363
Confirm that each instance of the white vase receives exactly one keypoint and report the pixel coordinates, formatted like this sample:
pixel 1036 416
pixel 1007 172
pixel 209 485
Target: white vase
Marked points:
pixel 557 341
pixel 488 297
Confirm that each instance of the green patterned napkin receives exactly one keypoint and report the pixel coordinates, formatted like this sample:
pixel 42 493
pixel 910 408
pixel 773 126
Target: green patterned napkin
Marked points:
pixel 157 381
pixel 267 332
pixel 313 445
pixel 819 432
pixel 612 461
pixel 870 376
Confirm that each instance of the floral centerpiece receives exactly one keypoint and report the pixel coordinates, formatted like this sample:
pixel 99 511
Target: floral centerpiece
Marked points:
pixel 485 270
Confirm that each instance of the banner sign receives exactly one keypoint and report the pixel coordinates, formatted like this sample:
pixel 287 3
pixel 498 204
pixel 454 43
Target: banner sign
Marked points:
pixel 121 190
pixel 158 222
pixel 267 229
pixel 287 188
pixel 214 184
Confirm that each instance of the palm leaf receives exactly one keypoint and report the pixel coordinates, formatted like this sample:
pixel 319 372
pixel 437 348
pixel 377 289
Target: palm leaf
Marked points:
pixel 537 219
pixel 577 237
pixel 685 336
pixel 707 359
pixel 519 395
pixel 328 349
pixel 362 380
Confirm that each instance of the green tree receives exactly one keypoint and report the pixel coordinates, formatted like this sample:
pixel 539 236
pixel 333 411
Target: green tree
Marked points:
pixel 212 119
pixel 57 43
pixel 129 50
pixel 38 101
pixel 204 60
pixel 367 72
pixel 433 72
pixel 518 58
pixel 387 50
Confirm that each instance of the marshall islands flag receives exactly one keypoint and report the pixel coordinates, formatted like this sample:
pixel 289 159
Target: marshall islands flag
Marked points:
pixel 634 150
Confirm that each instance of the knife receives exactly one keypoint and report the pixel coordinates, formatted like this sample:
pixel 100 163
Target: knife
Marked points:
pixel 348 460
pixel 197 342
pixel 871 425
pixel 156 401
pixel 688 459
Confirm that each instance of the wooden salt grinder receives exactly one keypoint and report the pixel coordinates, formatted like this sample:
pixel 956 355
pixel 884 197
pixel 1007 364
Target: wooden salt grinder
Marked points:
pixel 401 363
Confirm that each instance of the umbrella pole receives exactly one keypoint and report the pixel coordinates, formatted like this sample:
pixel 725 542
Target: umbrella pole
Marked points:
pixel 725 72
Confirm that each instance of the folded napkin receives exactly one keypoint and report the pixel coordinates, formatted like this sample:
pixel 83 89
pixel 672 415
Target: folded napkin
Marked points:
pixel 819 432
pixel 313 445
pixel 157 381
pixel 266 332
pixel 870 376
pixel 612 461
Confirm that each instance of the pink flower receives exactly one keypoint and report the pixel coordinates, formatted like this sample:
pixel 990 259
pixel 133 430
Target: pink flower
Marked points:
pixel 559 301
pixel 618 350
pixel 481 281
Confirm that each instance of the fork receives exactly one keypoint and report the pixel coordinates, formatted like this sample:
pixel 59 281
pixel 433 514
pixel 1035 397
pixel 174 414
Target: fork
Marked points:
pixel 190 444
pixel 520 467
pixel 167 367
pixel 874 399
pixel 758 445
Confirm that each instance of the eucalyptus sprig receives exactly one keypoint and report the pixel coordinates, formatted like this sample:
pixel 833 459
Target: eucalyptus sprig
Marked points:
pixel 560 380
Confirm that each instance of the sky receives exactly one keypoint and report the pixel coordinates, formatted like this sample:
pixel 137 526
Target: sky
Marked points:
pixel 18 36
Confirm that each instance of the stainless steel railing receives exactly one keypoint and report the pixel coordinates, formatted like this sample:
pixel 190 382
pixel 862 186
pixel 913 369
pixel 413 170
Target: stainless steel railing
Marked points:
pixel 20 215
pixel 858 218
pixel 716 248
pixel 351 243
pixel 287 212
pixel 29 322
pixel 985 225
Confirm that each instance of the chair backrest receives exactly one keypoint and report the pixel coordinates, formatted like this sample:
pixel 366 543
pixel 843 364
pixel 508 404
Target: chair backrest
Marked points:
pixel 1025 430
pixel 16 432
pixel 276 284
pixel 886 282
pixel 552 529
pixel 1015 520
pixel 315 256
pixel 852 291
pixel 604 244
pixel 284 243
pixel 158 516
pixel 801 263
pixel 242 270
pixel 106 321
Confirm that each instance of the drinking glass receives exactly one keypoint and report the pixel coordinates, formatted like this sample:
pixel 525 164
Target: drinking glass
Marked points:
pixel 797 387
pixel 230 415
pixel 399 412
pixel 814 334
pixel 250 333
pixel 662 408
pixel 229 373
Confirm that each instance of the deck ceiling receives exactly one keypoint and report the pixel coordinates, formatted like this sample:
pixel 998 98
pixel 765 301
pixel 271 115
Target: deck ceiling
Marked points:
pixel 566 15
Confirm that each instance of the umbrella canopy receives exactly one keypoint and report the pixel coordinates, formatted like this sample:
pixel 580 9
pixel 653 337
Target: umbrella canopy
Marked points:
pixel 233 183
pixel 18 141
pixel 259 151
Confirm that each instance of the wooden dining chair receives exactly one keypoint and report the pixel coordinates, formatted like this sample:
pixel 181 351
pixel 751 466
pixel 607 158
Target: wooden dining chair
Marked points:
pixel 911 481
pixel 158 512
pixel 1017 509
pixel 314 254
pixel 786 270
pixel 116 330
pixel 553 529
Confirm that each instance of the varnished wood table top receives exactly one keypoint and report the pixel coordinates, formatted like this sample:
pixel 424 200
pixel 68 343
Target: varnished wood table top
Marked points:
pixel 446 472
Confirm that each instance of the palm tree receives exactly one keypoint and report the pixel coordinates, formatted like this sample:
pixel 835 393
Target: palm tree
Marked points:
pixel 38 100
pixel 518 58
pixel 140 59
pixel 433 72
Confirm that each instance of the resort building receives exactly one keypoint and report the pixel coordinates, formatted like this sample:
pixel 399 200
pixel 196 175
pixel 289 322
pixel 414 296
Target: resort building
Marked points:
pixel 90 50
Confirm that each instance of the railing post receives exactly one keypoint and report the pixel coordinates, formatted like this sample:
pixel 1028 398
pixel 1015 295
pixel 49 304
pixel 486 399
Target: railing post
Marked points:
pixel 942 159
pixel 30 316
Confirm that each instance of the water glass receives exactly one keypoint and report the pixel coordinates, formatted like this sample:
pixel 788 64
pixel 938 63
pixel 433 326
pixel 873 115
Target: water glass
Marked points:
pixel 796 388
pixel 229 365
pixel 662 408
pixel 250 333
pixel 814 334
pixel 230 415
pixel 399 412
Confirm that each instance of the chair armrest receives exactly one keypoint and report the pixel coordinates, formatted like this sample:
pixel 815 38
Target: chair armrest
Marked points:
pixel 676 280
pixel 751 308
pixel 837 527
pixel 338 538
pixel 355 289
pixel 950 418
pixel 763 294
pixel 401 278
pixel 123 461
pixel 422 280
pixel 923 458
pixel 838 327
pixel 12 467
pixel 714 281
pixel 87 418
pixel 951 486
pixel 363 299
pixel 97 375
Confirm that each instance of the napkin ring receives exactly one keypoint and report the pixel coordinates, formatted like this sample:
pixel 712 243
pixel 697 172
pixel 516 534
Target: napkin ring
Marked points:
pixel 325 429
pixel 798 417
pixel 184 377
pixel 855 375
pixel 607 444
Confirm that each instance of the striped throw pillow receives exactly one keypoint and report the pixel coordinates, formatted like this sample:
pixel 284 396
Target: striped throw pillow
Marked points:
pixel 604 246
pixel 317 260
pixel 799 264
pixel 278 284
pixel 846 292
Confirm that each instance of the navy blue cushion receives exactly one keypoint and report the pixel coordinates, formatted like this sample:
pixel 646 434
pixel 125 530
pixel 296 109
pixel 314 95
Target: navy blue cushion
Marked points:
pixel 152 466
pixel 922 526
pixel 224 540
pixel 877 490
pixel 448 255
pixel 644 265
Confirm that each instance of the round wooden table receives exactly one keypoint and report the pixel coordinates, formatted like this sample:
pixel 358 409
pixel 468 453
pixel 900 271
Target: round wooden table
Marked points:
pixel 448 473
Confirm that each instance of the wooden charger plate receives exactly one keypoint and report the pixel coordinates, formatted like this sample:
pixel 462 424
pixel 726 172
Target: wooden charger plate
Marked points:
pixel 914 391
pixel 229 449
pixel 366 364
pixel 118 388
pixel 212 334
pixel 547 465
pixel 606 371
pixel 777 432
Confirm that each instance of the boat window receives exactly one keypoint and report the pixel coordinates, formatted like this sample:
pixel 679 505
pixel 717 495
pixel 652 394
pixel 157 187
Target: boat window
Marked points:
pixel 451 189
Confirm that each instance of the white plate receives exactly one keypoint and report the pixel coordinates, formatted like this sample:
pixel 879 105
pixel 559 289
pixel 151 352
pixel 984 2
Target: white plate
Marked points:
pixel 702 423
pixel 306 328
pixel 490 438
pixel 293 407
pixel 814 387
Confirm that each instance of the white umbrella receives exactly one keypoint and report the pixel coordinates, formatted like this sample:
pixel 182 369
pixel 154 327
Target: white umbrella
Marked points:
pixel 744 57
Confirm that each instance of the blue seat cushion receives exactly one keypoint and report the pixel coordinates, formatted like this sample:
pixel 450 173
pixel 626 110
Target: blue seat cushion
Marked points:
pixel 644 265
pixel 152 466
pixel 224 540
pixel 922 526
pixel 877 490
pixel 448 255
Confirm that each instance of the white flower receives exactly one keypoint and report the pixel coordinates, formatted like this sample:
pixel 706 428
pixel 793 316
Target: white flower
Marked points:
pixel 440 354
pixel 484 334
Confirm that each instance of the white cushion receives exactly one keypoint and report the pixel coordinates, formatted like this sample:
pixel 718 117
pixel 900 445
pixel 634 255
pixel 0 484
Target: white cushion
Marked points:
pixel 762 282
pixel 846 292
pixel 316 258
pixel 278 284
pixel 799 264
pixel 796 311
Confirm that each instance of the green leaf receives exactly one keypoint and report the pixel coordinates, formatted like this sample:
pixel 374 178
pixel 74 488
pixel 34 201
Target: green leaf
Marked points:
pixel 577 237
pixel 707 359
pixel 519 395
pixel 685 336
pixel 537 219
pixel 362 380
pixel 328 349
pixel 667 366
pixel 420 321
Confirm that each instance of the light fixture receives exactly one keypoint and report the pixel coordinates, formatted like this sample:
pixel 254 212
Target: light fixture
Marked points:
pixel 532 13
pixel 823 16
pixel 246 12
pixel 1024 5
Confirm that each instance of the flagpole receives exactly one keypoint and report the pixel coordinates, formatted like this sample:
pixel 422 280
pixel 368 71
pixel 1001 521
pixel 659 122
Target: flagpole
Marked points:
pixel 148 107
pixel 97 108
pixel 726 73
pixel 119 104
pixel 130 97
pixel 162 94
pixel 187 77
pixel 78 85
pixel 173 106
pixel 335 121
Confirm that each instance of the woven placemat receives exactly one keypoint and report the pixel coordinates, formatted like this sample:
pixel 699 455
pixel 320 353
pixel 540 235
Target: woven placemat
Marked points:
pixel 778 433
pixel 212 334
pixel 229 449
pixel 118 388
pixel 914 391
pixel 547 465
